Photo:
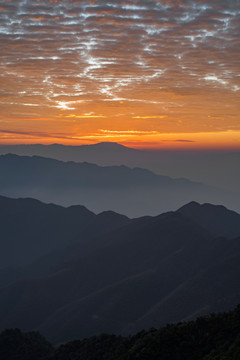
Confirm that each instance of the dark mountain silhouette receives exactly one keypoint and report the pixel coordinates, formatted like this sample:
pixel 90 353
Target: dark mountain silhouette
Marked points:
pixel 134 192
pixel 30 228
pixel 215 168
pixel 140 273
pixel 217 219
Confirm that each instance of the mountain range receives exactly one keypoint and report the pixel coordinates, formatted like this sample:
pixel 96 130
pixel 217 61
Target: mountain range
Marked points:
pixel 108 273
pixel 215 168
pixel 43 228
pixel 131 191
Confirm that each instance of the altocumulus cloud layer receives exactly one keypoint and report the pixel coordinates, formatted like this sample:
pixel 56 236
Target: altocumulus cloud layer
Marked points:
pixel 101 67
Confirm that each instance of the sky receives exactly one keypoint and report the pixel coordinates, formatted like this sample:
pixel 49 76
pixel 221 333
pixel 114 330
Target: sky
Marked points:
pixel 144 73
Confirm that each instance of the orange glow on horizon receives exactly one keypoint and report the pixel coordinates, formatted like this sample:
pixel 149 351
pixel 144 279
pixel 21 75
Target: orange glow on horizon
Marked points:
pixel 229 140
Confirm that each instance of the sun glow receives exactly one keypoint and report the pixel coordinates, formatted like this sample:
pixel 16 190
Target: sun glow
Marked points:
pixel 229 140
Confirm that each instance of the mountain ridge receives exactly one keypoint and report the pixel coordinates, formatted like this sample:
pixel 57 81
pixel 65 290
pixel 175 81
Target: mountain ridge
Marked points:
pixel 211 216
pixel 44 227
pixel 215 168
pixel 174 265
pixel 131 191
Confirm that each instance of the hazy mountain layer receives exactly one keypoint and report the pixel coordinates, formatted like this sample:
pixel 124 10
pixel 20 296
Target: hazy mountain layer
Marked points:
pixel 133 192
pixel 216 168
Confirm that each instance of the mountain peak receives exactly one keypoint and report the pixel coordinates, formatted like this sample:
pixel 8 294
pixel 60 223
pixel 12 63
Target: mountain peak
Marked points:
pixel 216 218
pixel 195 206
pixel 105 145
pixel 190 206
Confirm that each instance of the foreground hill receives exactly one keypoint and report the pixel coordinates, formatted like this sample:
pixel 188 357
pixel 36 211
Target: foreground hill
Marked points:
pixel 136 274
pixel 208 338
pixel 133 192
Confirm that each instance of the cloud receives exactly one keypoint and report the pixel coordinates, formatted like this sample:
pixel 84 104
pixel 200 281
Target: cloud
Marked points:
pixel 150 117
pixel 36 134
pixel 182 140
pixel 84 116
pixel 128 132
pixel 83 56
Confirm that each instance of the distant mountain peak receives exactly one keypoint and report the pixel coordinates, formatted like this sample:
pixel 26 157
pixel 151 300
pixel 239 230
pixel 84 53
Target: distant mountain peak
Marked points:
pixel 111 215
pixel 107 145
pixel 190 205
pixel 194 205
